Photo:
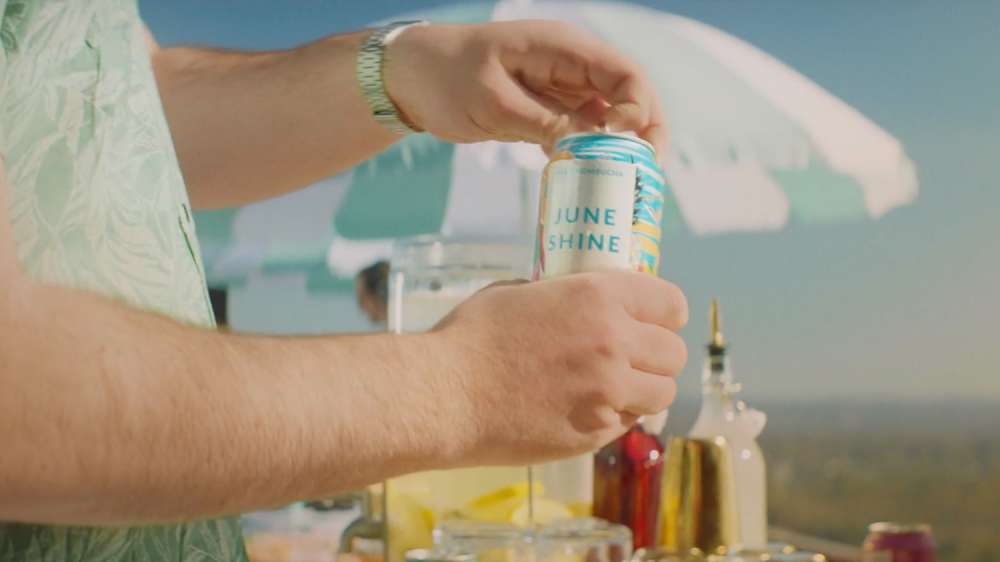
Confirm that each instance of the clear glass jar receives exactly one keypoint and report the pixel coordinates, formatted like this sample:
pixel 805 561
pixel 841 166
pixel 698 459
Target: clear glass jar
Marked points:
pixel 582 539
pixel 430 276
pixel 585 540
pixel 487 542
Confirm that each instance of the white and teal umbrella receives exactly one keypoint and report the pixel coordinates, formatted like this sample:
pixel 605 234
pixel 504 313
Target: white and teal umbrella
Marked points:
pixel 755 146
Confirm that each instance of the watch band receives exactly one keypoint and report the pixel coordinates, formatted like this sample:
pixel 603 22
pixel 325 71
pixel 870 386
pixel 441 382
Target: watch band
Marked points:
pixel 370 60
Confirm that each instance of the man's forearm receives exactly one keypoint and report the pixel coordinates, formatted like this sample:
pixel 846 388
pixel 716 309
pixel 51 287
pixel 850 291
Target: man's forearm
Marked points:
pixel 130 418
pixel 249 126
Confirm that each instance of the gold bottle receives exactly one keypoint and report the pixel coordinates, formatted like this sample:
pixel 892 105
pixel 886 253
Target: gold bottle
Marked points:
pixel 698 497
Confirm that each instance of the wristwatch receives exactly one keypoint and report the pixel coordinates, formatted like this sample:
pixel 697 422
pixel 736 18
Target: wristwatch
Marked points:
pixel 370 61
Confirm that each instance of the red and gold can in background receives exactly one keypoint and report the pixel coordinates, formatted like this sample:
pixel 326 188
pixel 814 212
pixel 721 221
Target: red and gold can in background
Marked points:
pixel 898 542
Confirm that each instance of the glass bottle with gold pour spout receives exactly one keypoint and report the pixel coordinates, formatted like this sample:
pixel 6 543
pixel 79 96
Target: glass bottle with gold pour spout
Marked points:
pixel 724 415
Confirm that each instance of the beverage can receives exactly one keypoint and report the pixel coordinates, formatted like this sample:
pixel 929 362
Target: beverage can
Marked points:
pixel 601 207
pixel 898 542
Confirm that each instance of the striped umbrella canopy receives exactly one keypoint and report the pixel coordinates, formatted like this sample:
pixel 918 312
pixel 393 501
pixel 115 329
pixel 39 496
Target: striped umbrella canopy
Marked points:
pixel 755 146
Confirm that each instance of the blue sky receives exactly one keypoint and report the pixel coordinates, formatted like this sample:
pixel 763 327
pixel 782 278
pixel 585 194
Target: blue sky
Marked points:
pixel 906 307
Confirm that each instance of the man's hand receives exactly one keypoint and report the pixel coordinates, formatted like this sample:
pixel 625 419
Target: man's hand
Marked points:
pixel 551 369
pixel 532 81
pixel 251 126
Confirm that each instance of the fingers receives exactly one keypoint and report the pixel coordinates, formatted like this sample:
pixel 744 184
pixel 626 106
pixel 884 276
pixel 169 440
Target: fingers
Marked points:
pixel 594 111
pixel 565 81
pixel 655 301
pixel 656 350
pixel 645 119
pixel 516 113
pixel 588 116
pixel 628 419
pixel 645 298
pixel 582 64
pixel 656 355
pixel 635 105
pixel 647 394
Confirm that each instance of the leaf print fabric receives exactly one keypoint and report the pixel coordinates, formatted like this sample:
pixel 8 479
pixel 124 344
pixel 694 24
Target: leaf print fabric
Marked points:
pixel 98 203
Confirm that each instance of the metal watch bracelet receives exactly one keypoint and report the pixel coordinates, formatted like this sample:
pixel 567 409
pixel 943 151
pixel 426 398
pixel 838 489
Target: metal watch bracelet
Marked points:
pixel 370 63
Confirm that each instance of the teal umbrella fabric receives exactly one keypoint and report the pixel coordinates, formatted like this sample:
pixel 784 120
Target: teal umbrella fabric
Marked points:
pixel 756 146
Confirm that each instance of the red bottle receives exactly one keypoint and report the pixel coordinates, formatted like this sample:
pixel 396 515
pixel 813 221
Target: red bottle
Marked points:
pixel 627 476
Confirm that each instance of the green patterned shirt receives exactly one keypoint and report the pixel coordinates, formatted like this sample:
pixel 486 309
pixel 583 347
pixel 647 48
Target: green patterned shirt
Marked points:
pixel 97 203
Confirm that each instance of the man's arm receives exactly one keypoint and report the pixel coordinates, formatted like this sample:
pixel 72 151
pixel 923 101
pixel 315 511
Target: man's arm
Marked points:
pixel 111 416
pixel 250 126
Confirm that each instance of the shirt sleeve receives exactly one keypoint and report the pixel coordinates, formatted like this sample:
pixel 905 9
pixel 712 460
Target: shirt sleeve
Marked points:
pixel 5 38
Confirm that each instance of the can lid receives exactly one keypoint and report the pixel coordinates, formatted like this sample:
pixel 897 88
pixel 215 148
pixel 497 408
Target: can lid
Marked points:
pixel 627 135
pixel 898 528
pixel 424 555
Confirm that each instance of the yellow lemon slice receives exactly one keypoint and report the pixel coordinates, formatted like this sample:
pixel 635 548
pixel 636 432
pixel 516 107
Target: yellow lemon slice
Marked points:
pixel 581 509
pixel 519 490
pixel 546 511
pixel 496 512
pixel 410 524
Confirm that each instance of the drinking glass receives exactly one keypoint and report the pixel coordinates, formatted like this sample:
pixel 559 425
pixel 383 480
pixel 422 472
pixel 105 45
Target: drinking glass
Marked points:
pixel 429 276
pixel 583 540
pixel 487 542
